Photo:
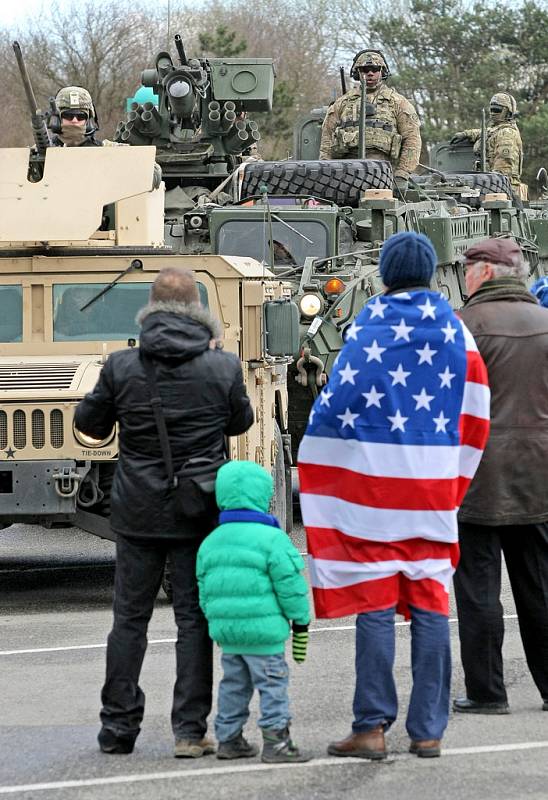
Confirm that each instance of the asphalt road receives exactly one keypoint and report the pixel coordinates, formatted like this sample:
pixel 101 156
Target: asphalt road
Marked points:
pixel 56 588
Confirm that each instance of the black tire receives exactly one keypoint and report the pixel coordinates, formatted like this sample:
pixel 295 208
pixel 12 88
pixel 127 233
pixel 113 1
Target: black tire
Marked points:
pixel 486 182
pixel 167 586
pixel 340 181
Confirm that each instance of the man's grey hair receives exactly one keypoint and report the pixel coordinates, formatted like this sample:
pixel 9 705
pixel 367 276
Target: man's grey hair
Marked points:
pixel 175 284
pixel 519 269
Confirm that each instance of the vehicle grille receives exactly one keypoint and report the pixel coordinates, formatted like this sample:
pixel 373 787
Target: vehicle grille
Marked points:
pixel 37 376
pixel 37 432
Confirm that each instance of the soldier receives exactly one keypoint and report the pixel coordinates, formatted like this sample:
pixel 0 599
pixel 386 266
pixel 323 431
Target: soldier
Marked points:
pixel 504 149
pixel 77 122
pixel 392 130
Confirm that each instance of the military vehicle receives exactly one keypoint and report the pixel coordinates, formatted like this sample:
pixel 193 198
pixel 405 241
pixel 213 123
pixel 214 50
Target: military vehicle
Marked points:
pixel 70 287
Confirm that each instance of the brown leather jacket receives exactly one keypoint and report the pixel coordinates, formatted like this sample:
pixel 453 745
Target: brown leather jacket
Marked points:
pixel 511 331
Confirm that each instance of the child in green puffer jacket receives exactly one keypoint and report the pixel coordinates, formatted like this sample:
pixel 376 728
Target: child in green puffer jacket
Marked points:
pixel 251 587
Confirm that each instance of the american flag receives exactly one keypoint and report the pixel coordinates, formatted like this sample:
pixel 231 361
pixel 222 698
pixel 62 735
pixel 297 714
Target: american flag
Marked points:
pixel 392 444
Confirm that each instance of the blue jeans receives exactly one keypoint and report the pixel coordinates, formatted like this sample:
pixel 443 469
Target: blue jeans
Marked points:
pixel 375 698
pixel 241 675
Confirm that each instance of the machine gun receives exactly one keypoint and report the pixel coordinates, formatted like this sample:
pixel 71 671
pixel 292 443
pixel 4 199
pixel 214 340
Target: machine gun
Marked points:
pixel 40 131
pixel 200 124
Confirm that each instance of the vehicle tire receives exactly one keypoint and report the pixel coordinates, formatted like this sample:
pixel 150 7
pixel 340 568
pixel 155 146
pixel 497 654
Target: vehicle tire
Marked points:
pixel 167 586
pixel 486 182
pixel 340 181
pixel 278 504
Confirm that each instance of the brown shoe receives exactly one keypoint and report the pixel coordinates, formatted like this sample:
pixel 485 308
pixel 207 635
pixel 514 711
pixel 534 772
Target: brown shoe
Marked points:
pixel 193 748
pixel 429 748
pixel 361 745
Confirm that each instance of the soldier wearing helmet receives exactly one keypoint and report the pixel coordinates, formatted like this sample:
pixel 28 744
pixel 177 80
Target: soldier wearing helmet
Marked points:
pixel 76 122
pixel 392 126
pixel 504 149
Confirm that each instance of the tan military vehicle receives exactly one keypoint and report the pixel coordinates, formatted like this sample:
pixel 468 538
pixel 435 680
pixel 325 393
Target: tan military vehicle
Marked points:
pixel 78 252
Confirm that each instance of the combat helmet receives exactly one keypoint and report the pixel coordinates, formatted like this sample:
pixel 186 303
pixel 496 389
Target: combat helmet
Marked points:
pixel 365 57
pixel 74 98
pixel 503 106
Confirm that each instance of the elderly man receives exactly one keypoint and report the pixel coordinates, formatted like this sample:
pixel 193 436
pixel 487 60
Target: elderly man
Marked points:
pixel 203 400
pixel 506 507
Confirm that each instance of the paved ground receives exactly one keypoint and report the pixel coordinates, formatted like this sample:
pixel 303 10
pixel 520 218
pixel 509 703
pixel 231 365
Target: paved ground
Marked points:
pixel 54 618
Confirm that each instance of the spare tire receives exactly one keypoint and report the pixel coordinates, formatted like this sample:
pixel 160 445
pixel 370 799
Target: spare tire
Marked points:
pixel 486 182
pixel 340 181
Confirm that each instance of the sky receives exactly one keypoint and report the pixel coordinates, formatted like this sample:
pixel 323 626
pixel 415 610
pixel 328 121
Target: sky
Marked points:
pixel 13 14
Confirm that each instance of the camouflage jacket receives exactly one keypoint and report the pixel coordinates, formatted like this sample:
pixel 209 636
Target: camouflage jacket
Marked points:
pixel 503 148
pixel 393 133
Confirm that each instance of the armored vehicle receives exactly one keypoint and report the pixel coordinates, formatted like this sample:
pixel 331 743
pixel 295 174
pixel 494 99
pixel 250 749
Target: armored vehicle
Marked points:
pixel 69 293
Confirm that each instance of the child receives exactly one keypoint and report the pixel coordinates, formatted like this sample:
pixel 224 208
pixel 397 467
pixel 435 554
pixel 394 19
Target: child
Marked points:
pixel 249 576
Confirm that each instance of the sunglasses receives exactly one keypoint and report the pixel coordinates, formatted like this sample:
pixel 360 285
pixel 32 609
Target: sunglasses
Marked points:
pixel 81 116
pixel 370 68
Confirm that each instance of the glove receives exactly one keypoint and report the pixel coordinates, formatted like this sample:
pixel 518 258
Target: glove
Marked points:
pixel 299 642
pixel 459 137
pixel 401 183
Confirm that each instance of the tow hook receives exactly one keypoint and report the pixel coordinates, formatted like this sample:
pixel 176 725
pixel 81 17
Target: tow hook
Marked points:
pixel 308 359
pixel 66 482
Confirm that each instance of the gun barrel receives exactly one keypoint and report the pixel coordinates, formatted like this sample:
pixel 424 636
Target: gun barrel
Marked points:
pixel 31 99
pixel 180 50
pixel 39 127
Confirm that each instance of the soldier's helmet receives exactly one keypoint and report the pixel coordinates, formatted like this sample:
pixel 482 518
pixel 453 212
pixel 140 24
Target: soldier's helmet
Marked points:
pixel 75 98
pixel 369 57
pixel 503 106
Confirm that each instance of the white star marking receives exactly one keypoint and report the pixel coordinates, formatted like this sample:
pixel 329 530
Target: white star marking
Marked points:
pixel 441 422
pixel 449 333
pixel 374 352
pixel 398 422
pixel 446 378
pixel 428 310
pixel 402 330
pixel 373 397
pixel 423 399
pixel 325 397
pixel 347 418
pixel 426 354
pixel 347 374
pixel 352 332
pixel 399 375
pixel 377 308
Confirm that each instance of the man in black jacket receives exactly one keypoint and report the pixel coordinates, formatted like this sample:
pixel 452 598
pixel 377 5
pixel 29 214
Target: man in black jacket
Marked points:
pixel 203 400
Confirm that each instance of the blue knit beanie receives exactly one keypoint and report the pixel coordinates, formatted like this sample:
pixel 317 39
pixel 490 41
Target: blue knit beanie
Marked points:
pixel 407 259
pixel 540 290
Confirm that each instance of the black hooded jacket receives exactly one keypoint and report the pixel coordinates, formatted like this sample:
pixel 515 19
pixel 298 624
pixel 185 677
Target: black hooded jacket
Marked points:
pixel 203 400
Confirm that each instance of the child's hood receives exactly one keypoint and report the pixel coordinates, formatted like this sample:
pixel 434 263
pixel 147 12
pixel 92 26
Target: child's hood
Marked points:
pixel 243 484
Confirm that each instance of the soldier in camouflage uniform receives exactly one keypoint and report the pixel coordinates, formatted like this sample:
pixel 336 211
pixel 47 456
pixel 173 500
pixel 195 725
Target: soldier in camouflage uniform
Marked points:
pixel 392 126
pixel 77 122
pixel 504 150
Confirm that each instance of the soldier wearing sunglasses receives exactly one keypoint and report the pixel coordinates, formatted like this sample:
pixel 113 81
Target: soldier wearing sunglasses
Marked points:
pixel 76 123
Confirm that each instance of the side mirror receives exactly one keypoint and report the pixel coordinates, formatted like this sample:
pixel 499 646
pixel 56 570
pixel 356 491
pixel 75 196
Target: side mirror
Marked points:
pixel 281 325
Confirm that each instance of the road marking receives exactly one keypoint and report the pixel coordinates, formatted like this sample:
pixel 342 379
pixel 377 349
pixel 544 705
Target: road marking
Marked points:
pixel 67 648
pixel 246 768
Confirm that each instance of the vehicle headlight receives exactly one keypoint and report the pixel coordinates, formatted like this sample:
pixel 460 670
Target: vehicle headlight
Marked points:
pixel 310 305
pixel 89 441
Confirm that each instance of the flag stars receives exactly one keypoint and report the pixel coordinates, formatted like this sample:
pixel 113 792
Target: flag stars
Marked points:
pixel 423 399
pixel 347 418
pixel 441 423
pixel 446 377
pixel 399 375
pixel 374 352
pixel 377 308
pixel 373 397
pixel 398 422
pixel 347 374
pixel 325 397
pixel 402 330
pixel 449 332
pixel 428 310
pixel 352 332
pixel 426 354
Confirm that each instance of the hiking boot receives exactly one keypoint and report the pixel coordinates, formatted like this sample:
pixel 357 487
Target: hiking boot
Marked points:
pixel 238 747
pixel 279 749
pixel 114 744
pixel 193 748
pixel 369 744
pixel 428 748
pixel 465 706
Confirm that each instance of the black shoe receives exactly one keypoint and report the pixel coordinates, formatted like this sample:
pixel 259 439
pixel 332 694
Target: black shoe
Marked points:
pixel 110 743
pixel 545 705
pixel 278 748
pixel 465 706
pixel 238 747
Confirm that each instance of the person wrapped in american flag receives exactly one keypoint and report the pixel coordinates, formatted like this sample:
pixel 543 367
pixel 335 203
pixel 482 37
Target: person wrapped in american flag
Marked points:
pixel 392 444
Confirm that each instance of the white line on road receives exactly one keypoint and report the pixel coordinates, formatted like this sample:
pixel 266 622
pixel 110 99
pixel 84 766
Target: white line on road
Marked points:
pixel 102 646
pixel 239 769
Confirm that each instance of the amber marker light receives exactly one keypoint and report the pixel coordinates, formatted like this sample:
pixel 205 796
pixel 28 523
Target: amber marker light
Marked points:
pixel 334 286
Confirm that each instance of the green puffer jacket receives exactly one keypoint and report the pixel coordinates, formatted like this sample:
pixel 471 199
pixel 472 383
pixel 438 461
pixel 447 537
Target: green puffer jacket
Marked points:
pixel 249 573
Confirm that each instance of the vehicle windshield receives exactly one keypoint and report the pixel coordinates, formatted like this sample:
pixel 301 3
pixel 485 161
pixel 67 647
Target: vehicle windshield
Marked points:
pixel 251 238
pixel 11 313
pixel 111 317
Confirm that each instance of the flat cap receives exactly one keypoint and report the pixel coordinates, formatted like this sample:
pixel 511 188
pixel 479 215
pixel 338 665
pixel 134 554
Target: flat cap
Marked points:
pixel 498 250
